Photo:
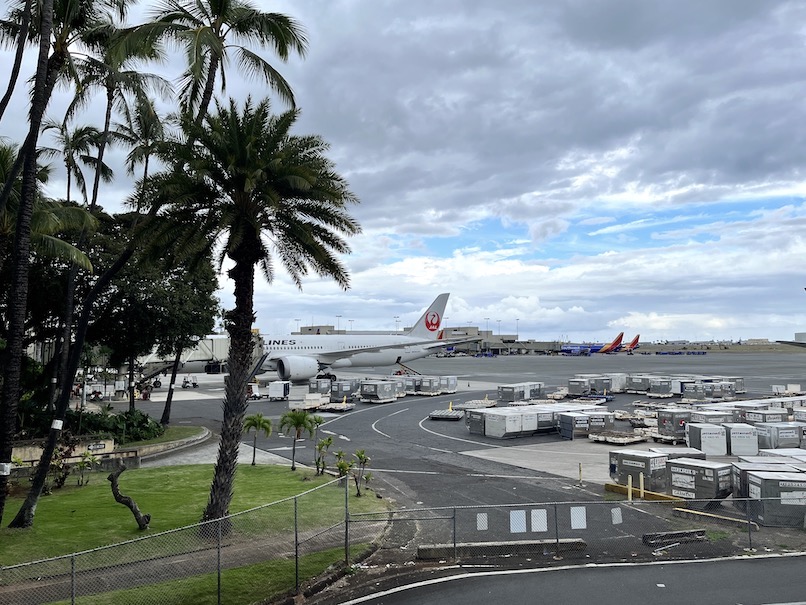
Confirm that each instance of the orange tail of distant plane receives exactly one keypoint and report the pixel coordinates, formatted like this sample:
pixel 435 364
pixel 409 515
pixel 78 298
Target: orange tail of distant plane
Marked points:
pixel 633 344
pixel 613 346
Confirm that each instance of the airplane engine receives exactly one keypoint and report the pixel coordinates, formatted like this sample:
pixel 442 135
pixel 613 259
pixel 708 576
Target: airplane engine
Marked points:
pixel 297 368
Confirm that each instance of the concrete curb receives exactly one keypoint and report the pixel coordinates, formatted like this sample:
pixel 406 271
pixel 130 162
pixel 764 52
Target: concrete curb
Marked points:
pixel 149 452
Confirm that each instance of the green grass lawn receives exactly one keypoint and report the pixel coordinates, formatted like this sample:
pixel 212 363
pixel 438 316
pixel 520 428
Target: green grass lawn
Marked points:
pixel 79 518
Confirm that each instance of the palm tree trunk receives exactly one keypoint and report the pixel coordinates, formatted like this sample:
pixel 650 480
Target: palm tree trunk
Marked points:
pixel 102 147
pixel 166 411
pixel 18 299
pixel 239 325
pixel 209 86
pixel 25 516
pixel 15 69
pixel 294 452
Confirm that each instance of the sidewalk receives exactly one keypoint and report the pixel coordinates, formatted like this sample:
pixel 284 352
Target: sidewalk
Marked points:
pixel 206 452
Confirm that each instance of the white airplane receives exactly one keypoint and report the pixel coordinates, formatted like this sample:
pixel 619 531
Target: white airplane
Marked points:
pixel 299 358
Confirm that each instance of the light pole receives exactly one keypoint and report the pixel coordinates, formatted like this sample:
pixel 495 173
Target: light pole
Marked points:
pixel 397 322
pixel 487 331
pixel 499 326
pixel 351 324
pixel 297 320
pixel 517 333
pixel 338 322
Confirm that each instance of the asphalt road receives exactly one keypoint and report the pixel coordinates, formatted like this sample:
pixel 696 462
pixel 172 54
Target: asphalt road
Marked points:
pixel 426 463
pixel 745 582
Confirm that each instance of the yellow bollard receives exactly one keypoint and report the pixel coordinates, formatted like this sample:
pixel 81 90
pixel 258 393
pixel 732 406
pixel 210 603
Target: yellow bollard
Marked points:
pixel 629 488
pixel 580 473
pixel 450 406
pixel 641 486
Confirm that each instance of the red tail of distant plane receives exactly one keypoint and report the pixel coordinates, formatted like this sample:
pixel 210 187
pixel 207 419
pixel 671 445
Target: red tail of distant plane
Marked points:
pixel 613 346
pixel 633 344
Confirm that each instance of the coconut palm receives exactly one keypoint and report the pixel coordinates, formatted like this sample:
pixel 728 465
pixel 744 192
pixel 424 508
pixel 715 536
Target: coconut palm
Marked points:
pixel 18 295
pixel 74 145
pixel 264 196
pixel 208 31
pixel 113 72
pixel 297 422
pixel 258 423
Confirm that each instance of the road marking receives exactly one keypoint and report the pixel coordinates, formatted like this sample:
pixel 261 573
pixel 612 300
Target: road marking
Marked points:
pixel 379 431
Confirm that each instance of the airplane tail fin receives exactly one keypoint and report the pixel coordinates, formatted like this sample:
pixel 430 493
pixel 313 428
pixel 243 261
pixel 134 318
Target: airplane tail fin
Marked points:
pixel 633 343
pixel 613 346
pixel 427 327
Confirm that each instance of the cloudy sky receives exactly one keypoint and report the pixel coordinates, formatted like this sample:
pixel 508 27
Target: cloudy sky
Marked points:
pixel 584 167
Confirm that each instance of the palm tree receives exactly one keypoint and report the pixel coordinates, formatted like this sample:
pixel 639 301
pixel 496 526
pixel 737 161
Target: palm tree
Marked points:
pixel 64 26
pixel 298 422
pixel 258 423
pixel 322 445
pixel 113 72
pixel 359 474
pixel 261 193
pixel 75 145
pixel 18 299
pixel 208 30
pixel 143 132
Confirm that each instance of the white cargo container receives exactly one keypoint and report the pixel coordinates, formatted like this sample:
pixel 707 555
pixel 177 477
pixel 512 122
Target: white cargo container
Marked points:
pixel 774 435
pixel 503 423
pixel 756 416
pixel 448 384
pixel 711 416
pixel 512 392
pixel 742 439
pixel 709 438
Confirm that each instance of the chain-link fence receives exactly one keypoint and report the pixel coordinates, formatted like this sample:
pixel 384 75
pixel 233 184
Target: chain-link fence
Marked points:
pixel 285 541
pixel 596 532
pixel 284 544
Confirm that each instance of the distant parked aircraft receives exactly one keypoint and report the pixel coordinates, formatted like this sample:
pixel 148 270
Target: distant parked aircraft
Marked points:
pixel 631 346
pixel 590 348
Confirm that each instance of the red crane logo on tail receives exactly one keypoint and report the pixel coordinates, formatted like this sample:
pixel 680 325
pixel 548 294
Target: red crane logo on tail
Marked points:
pixel 432 321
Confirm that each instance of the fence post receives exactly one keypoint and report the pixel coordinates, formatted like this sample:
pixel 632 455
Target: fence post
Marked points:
pixel 73 579
pixel 218 557
pixel 296 547
pixel 556 533
pixel 455 555
pixel 346 521
pixel 749 524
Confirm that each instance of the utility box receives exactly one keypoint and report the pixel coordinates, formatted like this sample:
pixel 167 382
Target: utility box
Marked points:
pixel 474 421
pixel 503 423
